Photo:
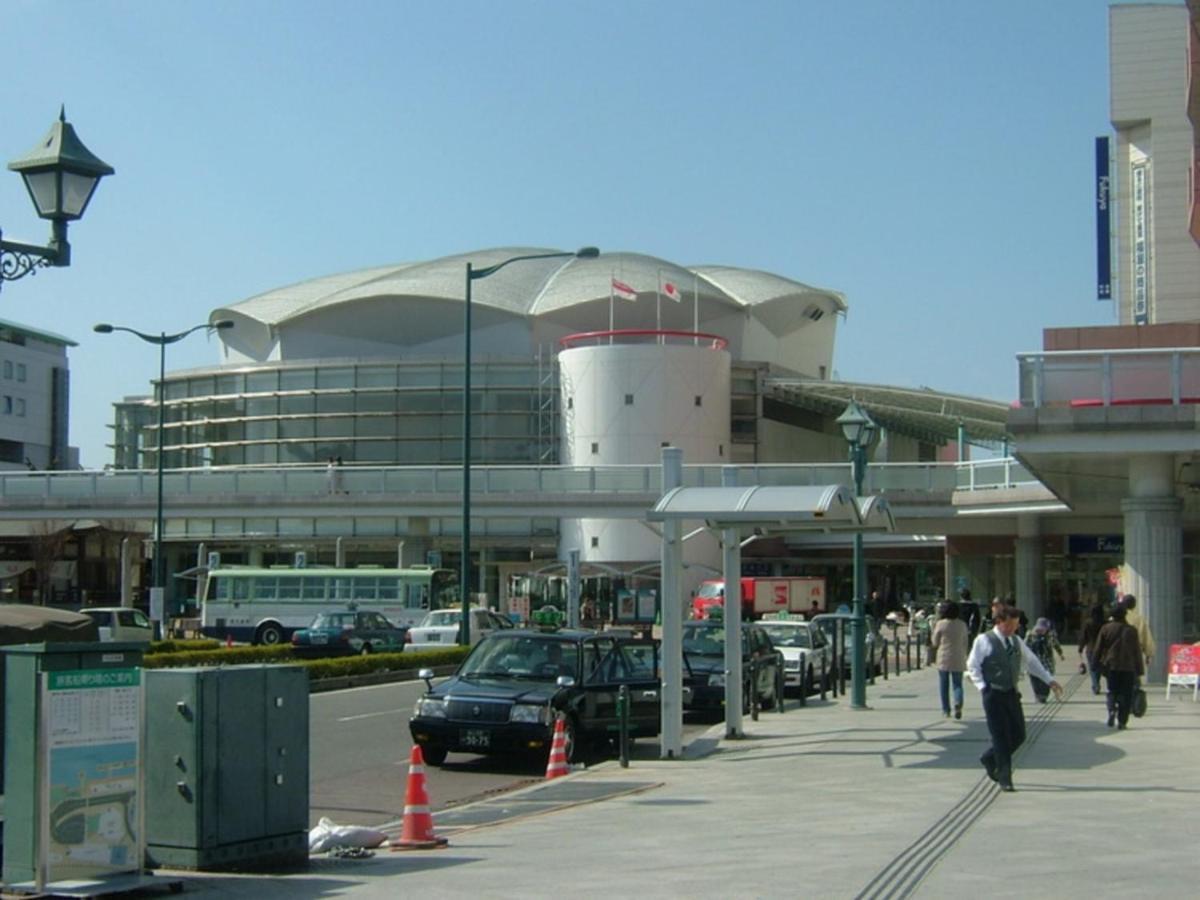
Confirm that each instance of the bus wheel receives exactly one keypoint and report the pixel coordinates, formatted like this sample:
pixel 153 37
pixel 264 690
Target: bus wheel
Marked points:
pixel 269 634
pixel 366 650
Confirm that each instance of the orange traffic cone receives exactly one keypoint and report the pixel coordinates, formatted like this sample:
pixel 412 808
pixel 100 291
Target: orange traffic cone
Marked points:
pixel 417 831
pixel 557 766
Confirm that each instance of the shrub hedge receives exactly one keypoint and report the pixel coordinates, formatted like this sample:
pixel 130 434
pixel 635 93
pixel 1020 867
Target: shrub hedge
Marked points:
pixel 179 646
pixel 335 667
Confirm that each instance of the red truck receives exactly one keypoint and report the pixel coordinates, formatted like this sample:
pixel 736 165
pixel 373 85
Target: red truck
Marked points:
pixel 794 594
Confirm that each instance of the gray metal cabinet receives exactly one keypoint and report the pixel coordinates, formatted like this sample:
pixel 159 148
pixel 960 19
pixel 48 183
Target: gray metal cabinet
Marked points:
pixel 227 767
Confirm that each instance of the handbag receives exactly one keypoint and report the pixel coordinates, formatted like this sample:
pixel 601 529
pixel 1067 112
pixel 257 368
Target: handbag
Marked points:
pixel 1082 668
pixel 1139 703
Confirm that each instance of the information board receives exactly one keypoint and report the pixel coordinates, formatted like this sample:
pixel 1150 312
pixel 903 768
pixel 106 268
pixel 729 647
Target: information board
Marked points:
pixel 90 757
pixel 1183 667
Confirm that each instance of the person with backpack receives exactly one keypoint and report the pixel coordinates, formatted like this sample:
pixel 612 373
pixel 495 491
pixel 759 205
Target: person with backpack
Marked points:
pixel 1044 643
pixel 994 665
pixel 1121 659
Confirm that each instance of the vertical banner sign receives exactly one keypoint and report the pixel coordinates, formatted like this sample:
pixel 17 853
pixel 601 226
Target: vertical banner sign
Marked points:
pixel 1103 223
pixel 1141 271
pixel 91 818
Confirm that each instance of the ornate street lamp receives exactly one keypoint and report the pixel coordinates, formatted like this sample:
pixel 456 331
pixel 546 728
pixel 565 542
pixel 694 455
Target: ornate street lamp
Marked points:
pixel 161 339
pixel 474 274
pixel 61 175
pixel 859 430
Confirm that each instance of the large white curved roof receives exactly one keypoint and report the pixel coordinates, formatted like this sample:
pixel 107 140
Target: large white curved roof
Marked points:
pixel 534 288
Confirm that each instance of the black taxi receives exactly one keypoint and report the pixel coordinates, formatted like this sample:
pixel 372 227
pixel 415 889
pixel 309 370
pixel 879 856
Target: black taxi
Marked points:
pixel 506 695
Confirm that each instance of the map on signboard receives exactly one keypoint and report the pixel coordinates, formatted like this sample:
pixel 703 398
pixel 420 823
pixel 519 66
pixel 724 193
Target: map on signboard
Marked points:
pixel 92 742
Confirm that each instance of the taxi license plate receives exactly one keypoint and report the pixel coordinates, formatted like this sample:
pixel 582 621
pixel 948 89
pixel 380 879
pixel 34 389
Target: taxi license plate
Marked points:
pixel 319 638
pixel 475 737
pixel 434 637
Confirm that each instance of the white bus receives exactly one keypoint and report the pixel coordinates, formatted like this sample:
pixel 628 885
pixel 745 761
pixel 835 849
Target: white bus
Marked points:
pixel 264 606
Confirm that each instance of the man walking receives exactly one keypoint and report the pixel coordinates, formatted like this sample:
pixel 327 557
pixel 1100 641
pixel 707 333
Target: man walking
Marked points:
pixel 994 665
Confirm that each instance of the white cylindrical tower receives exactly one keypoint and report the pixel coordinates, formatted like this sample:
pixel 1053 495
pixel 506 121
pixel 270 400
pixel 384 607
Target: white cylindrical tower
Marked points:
pixel 621 403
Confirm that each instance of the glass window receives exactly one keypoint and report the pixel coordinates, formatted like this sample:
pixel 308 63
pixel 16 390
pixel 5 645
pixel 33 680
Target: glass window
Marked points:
pixel 289 588
pixel 200 387
pixel 8 405
pixel 375 401
pixel 296 428
pixel 20 371
pixel 296 404
pixel 296 380
pixel 265 588
pixel 259 382
pixel 376 376
pixel 20 406
pixel 312 588
pixel 340 377
pixel 389 589
pixel 239 588
pixel 335 403
pixel 262 406
pixel 229 384
pixel 8 368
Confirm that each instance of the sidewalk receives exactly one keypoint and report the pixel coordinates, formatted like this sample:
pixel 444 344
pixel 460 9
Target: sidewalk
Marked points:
pixel 827 801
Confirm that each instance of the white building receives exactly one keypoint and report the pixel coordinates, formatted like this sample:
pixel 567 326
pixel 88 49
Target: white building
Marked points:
pixel 35 387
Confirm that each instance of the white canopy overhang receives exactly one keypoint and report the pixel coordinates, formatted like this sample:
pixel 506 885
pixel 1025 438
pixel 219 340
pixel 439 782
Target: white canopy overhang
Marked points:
pixel 831 507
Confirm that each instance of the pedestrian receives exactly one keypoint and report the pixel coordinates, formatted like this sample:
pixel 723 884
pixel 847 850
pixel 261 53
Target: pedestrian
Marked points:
pixel 331 476
pixel 339 487
pixel 969 612
pixel 1135 619
pixel 1044 643
pixel 1121 658
pixel 994 665
pixel 950 642
pixel 1087 644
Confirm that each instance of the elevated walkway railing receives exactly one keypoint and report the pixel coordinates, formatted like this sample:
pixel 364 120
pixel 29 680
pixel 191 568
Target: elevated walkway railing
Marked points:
pixel 1087 378
pixel 132 485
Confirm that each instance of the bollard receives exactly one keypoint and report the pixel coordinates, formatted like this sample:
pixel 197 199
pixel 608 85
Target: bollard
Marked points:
pixel 623 724
pixel 824 674
pixel 908 653
pixel 753 692
pixel 897 642
pixel 781 684
pixel 805 684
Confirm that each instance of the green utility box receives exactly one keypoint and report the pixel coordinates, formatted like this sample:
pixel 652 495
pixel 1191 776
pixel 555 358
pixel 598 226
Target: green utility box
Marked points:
pixel 95 687
pixel 227 767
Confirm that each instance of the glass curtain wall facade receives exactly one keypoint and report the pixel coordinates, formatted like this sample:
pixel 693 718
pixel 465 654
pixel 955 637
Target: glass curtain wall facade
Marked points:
pixel 374 413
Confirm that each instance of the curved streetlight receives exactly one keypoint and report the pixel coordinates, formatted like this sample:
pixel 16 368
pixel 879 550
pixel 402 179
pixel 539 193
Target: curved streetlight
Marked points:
pixel 474 274
pixel 859 430
pixel 161 339
pixel 61 175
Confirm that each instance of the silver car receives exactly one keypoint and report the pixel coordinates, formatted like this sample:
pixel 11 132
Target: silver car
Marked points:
pixel 807 655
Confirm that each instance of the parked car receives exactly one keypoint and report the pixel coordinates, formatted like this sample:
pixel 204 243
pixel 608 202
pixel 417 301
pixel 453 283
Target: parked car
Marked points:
pixel 440 627
pixel 504 698
pixel 807 654
pixel 704 665
pixel 874 644
pixel 350 631
pixel 121 623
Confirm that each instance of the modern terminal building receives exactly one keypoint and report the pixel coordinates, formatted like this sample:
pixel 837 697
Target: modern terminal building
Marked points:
pixel 590 363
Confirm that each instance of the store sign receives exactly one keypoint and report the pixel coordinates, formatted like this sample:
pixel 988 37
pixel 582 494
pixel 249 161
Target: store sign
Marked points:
pixel 1141 245
pixel 1104 544
pixel 1103 226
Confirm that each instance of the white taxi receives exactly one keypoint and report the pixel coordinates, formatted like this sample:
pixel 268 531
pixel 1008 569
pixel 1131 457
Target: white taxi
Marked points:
pixel 439 628
pixel 807 656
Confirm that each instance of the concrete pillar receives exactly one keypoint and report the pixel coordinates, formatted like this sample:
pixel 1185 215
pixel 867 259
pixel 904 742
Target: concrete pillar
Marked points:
pixel 732 562
pixel 1154 552
pixel 670 601
pixel 1030 574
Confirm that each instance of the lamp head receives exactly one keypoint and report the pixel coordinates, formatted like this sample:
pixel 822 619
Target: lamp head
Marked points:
pixel 102 328
pixel 857 427
pixel 587 253
pixel 60 173
pixel 221 324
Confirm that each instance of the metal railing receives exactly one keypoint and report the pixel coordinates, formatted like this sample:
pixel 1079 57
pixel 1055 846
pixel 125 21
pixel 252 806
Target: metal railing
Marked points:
pixel 549 480
pixel 1083 378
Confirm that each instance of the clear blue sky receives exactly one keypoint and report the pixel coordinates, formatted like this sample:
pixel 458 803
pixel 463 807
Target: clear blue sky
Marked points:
pixel 930 159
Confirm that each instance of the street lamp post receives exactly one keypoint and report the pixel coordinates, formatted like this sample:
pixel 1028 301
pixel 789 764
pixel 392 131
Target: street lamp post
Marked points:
pixel 474 274
pixel 61 175
pixel 859 430
pixel 161 339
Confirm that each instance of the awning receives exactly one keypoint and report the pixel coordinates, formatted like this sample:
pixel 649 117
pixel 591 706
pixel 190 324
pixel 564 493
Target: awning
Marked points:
pixel 780 508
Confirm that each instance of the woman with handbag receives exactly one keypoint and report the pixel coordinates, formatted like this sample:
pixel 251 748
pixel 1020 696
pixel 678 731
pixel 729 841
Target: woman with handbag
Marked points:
pixel 948 642
pixel 1120 656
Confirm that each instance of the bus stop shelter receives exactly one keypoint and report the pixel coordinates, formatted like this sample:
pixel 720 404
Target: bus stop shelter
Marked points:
pixel 733 511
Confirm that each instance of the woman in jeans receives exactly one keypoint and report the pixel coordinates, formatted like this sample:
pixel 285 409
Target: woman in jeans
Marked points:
pixel 949 641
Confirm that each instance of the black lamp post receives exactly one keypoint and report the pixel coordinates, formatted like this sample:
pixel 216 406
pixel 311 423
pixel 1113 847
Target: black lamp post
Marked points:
pixel 859 431
pixel 474 274
pixel 161 339
pixel 61 175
